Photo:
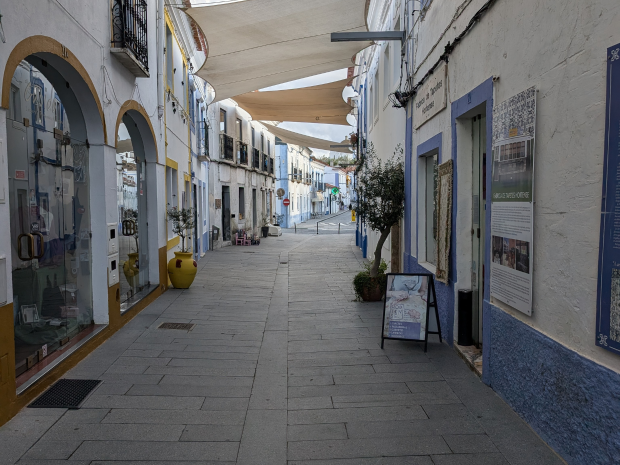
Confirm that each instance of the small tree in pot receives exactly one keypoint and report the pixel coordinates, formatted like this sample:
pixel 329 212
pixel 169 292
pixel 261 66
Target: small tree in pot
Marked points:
pixel 182 269
pixel 381 197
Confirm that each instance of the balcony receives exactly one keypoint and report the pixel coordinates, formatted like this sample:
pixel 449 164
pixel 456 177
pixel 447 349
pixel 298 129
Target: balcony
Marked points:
pixel 242 153
pixel 227 147
pixel 271 165
pixel 256 158
pixel 265 165
pixel 129 35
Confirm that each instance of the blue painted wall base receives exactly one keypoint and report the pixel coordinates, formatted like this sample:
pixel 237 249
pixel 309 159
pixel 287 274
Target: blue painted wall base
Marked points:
pixel 570 401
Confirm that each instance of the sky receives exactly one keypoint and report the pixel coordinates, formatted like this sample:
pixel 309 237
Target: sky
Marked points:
pixel 322 131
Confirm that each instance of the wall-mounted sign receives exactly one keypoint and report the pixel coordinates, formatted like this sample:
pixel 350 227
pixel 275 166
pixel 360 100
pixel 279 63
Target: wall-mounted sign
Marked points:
pixel 407 313
pixel 335 191
pixel 20 174
pixel 608 287
pixel 218 204
pixel 431 97
pixel 512 194
pixel 286 202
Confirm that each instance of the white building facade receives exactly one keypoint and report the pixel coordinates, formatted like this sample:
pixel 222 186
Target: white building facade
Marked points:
pixel 500 129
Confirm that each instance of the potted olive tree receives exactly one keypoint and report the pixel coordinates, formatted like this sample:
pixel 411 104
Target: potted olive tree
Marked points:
pixel 380 205
pixel 182 268
pixel 265 226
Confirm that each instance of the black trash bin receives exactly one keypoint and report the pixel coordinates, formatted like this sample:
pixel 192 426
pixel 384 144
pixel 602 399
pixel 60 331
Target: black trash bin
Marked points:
pixel 465 297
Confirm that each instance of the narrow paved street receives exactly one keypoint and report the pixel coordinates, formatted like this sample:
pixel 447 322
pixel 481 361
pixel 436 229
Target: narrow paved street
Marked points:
pixel 281 365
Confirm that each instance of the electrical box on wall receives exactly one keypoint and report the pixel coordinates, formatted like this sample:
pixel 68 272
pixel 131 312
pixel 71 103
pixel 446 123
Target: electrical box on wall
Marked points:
pixel 113 270
pixel 112 238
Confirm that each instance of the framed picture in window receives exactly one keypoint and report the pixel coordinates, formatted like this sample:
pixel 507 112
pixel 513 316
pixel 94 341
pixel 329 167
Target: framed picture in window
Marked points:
pixel 410 308
pixel 29 314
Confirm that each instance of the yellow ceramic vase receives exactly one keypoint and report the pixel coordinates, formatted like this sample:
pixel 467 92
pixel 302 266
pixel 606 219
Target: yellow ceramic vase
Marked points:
pixel 130 269
pixel 182 270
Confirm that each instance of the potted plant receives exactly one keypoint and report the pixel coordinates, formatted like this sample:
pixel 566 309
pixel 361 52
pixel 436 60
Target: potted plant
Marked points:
pixel 370 289
pixel 265 226
pixel 182 268
pixel 381 199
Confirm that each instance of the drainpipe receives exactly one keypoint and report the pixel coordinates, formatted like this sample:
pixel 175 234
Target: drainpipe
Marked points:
pixel 161 44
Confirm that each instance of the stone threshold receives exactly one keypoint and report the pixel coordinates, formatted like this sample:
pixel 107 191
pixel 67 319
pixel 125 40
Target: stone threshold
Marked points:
pixel 472 356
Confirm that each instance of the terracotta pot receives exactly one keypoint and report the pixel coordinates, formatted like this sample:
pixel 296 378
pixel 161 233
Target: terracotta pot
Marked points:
pixel 373 292
pixel 182 270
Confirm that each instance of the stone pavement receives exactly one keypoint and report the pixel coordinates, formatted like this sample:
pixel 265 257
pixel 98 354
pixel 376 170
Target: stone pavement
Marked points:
pixel 282 366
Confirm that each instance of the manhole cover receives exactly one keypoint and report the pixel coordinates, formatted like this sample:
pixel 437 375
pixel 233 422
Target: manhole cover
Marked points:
pixel 183 326
pixel 66 393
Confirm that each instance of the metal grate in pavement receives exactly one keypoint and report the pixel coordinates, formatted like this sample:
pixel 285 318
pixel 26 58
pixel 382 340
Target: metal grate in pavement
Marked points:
pixel 183 326
pixel 66 393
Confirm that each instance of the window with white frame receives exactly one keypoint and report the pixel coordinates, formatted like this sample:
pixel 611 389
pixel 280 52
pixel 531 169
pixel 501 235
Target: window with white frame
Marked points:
pixel 371 99
pixel 430 207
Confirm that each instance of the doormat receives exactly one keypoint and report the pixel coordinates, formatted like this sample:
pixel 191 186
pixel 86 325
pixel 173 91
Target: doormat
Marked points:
pixel 183 326
pixel 66 393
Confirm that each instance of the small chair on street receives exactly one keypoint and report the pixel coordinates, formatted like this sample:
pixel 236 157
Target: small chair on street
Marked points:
pixel 239 238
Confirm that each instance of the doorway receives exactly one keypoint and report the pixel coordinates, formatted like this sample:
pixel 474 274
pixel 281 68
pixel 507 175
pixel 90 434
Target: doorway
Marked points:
pixel 226 232
pixel 133 236
pixel 479 173
pixel 49 219
pixel 254 212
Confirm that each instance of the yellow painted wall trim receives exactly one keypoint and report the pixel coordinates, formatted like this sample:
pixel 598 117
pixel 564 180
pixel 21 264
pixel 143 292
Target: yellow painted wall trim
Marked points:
pixel 43 44
pixel 172 243
pixel 188 178
pixel 172 164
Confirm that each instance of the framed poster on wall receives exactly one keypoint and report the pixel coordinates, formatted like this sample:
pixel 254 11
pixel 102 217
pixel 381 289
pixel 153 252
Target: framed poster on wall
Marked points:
pixel 512 200
pixel 608 285
pixel 407 313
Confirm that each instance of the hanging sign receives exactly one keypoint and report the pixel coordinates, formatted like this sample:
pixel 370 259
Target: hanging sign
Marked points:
pixel 512 194
pixel 407 313
pixel 608 286
pixel 431 97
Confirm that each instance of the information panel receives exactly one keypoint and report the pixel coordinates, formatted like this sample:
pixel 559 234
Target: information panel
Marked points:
pixel 608 290
pixel 512 207
pixel 407 312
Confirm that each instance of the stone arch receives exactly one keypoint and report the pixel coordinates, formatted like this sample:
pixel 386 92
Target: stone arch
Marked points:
pixel 39 49
pixel 143 122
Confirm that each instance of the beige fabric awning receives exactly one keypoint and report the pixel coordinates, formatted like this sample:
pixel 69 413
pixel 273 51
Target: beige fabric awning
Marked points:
pixel 316 104
pixel 255 44
pixel 295 138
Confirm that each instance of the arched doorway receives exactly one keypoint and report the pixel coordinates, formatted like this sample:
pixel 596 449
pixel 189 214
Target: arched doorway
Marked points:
pixel 136 157
pixel 49 189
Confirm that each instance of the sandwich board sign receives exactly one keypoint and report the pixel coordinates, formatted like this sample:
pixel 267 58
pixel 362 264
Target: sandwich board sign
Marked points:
pixel 410 308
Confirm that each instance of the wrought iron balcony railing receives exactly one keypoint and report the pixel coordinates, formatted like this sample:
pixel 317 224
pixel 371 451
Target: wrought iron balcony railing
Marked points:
pixel 129 35
pixel 272 162
pixel 242 153
pixel 227 147
pixel 255 158
pixel 265 166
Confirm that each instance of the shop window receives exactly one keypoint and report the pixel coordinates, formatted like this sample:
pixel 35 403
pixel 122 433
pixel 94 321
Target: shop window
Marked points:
pixel 430 208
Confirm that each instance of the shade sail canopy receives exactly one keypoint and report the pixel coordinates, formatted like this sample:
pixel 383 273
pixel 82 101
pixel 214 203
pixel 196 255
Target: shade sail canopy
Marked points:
pixel 255 44
pixel 316 104
pixel 295 138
